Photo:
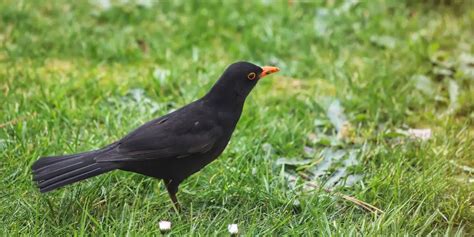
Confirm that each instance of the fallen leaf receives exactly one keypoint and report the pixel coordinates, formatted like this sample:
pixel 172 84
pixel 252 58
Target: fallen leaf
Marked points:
pixel 341 171
pixel 453 89
pixel 441 59
pixel 353 179
pixel 424 84
pixel 292 162
pixel 442 72
pixel 325 140
pixel 329 156
pixel 442 66
pixel 466 65
pixel 331 165
pixel 309 151
pixel 336 115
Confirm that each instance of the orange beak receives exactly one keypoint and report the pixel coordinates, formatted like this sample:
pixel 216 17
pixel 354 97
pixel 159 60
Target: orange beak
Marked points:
pixel 268 70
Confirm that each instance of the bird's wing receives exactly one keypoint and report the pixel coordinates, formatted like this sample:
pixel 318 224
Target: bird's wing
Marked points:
pixel 176 135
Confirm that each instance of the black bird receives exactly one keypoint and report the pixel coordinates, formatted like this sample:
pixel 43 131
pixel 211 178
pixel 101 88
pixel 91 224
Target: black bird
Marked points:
pixel 171 147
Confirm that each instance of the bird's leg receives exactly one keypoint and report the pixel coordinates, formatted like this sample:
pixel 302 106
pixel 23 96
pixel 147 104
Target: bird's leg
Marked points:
pixel 172 188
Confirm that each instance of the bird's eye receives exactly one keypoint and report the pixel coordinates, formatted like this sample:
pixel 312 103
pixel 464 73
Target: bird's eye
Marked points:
pixel 251 76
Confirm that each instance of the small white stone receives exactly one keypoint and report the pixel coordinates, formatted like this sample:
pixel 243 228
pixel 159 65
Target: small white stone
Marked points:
pixel 423 134
pixel 233 229
pixel 164 225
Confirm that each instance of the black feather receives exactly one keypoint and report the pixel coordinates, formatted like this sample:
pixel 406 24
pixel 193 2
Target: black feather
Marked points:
pixel 54 172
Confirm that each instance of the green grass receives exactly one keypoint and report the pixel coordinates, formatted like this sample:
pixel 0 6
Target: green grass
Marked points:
pixel 67 69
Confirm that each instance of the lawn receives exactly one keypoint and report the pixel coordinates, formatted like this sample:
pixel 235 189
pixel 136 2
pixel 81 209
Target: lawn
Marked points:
pixel 356 78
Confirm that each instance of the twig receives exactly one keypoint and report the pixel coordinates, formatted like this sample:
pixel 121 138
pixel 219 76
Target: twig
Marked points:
pixel 16 120
pixel 360 203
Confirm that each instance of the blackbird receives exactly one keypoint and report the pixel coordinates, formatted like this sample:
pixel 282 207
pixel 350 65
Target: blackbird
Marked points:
pixel 171 147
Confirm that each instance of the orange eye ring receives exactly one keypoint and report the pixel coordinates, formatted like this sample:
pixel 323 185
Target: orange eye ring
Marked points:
pixel 251 76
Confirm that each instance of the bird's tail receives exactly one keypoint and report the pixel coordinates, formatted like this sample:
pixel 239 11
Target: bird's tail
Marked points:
pixel 51 173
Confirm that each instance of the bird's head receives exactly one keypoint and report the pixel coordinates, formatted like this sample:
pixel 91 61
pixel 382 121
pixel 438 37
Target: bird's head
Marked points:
pixel 240 78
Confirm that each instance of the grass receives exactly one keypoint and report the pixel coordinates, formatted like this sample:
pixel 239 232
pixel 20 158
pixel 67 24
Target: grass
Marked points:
pixel 74 77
